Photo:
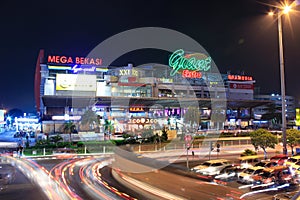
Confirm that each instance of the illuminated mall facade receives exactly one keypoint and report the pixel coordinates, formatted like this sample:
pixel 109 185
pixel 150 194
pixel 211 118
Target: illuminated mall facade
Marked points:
pixel 136 97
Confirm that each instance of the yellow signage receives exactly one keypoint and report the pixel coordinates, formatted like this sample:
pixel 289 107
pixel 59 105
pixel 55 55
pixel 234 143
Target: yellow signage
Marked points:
pixel 297 116
pixel 136 109
pixel 76 82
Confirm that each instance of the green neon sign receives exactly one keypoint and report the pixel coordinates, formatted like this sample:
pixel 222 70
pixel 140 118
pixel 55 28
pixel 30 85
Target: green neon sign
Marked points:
pixel 178 61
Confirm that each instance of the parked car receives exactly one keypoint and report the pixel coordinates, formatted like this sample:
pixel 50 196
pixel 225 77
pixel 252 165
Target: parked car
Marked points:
pixel 279 158
pixel 17 135
pixel 276 175
pixel 249 161
pixel 211 167
pixel 246 175
pixel 286 195
pixel 292 160
pixel 228 173
pixel 266 163
pixel 295 169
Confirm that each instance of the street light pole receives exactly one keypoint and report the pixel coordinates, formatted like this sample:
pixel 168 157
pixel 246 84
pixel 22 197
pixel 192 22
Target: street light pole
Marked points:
pixel 282 83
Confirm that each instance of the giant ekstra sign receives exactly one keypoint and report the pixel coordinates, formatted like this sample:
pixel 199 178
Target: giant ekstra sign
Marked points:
pixel 189 65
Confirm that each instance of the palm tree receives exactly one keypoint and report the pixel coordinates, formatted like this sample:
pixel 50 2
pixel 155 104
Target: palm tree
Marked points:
pixel 90 118
pixel 108 126
pixel 192 117
pixel 56 139
pixel 69 127
pixel 273 115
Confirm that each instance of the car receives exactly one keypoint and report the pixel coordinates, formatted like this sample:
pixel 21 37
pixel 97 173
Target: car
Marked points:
pixel 249 161
pixel 279 158
pixel 212 167
pixel 228 173
pixel 287 195
pixel 7 173
pixel 292 160
pixel 276 175
pixel 17 135
pixel 296 171
pixel 266 163
pixel 246 175
pixel 6 153
pixel 64 153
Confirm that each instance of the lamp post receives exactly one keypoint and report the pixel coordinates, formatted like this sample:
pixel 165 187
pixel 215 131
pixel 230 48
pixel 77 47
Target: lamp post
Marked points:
pixel 285 10
pixel 282 83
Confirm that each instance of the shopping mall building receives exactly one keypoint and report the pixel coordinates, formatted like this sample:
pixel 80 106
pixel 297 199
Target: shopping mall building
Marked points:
pixel 135 97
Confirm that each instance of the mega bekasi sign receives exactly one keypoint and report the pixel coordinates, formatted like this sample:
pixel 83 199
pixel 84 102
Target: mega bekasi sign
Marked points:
pixel 189 65
pixel 74 60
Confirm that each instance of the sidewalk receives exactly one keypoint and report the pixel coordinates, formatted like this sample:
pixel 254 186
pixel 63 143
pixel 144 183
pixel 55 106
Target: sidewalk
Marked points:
pixel 236 150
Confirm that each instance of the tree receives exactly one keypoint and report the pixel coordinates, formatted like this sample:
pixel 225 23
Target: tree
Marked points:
pixel 272 115
pixel 148 135
pixel 56 139
pixel 263 139
pixel 192 116
pixel 15 112
pixel 218 114
pixel 292 138
pixel 164 135
pixel 108 126
pixel 90 118
pixel 69 127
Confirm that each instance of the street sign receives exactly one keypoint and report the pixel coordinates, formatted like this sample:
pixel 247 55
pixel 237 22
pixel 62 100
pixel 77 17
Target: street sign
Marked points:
pixel 188 138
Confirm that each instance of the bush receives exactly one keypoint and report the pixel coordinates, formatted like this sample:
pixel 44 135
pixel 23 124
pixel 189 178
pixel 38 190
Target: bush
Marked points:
pixel 248 152
pixel 199 137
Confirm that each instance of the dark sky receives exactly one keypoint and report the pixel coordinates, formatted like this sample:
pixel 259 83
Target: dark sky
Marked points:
pixel 237 34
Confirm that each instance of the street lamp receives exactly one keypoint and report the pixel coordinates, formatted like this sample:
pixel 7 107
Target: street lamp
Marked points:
pixel 284 10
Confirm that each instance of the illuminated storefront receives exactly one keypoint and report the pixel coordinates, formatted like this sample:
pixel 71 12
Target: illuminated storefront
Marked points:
pixel 153 93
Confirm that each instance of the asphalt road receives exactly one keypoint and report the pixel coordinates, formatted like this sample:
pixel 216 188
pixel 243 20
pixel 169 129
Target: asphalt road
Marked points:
pixel 176 184
pixel 21 189
pixel 77 185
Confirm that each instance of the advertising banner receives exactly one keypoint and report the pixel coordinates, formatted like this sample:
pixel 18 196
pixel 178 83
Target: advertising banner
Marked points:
pixel 241 86
pixel 2 113
pixel 297 116
pixel 103 89
pixel 76 82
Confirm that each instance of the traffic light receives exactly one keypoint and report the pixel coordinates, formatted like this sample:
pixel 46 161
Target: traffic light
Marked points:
pixel 210 146
pixel 218 147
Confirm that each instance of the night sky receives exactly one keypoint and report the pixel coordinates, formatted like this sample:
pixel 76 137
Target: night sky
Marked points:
pixel 238 35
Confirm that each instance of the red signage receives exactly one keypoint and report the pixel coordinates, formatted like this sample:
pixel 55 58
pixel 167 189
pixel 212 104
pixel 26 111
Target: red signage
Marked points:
pixel 188 138
pixel 241 86
pixel 240 78
pixel 191 74
pixel 76 60
pixel 136 109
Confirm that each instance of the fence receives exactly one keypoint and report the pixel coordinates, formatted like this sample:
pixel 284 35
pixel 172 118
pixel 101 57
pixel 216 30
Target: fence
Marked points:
pixel 174 145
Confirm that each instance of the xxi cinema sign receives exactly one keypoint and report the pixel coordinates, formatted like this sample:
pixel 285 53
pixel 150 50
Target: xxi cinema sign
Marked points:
pixel 74 60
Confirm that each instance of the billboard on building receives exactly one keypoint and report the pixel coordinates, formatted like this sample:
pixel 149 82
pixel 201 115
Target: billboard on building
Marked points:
pixel 297 116
pixel 242 86
pixel 103 89
pixel 76 82
pixel 2 113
